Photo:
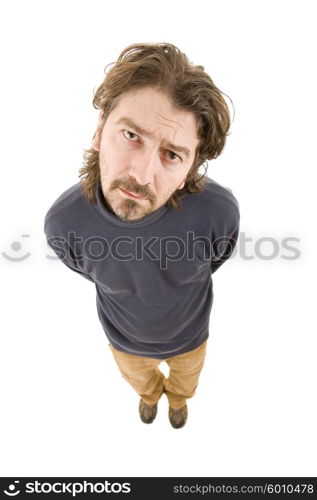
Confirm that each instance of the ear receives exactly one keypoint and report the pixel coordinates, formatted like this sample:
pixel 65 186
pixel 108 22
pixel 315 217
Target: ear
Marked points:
pixel 97 136
pixel 182 185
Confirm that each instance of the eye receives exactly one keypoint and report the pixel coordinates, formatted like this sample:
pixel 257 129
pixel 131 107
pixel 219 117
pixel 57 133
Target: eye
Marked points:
pixel 130 133
pixel 174 154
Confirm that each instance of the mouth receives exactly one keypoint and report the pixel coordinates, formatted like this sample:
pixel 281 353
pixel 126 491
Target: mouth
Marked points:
pixel 127 193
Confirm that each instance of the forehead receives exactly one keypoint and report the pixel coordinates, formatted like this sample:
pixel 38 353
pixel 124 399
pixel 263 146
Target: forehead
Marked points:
pixel 153 111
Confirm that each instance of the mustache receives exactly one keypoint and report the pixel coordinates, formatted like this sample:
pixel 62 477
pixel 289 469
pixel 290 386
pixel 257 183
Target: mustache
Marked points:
pixel 132 187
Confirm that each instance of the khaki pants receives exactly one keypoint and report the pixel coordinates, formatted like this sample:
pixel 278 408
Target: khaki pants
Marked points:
pixel 144 375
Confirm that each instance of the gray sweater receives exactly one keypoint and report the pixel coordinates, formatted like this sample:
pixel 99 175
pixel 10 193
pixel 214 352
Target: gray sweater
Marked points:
pixel 153 277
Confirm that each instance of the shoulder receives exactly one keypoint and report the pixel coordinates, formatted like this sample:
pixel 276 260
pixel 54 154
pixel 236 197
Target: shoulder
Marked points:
pixel 218 202
pixel 61 212
pixel 219 194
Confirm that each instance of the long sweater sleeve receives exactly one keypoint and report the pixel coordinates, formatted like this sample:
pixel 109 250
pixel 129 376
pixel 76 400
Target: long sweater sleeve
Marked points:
pixel 224 249
pixel 63 250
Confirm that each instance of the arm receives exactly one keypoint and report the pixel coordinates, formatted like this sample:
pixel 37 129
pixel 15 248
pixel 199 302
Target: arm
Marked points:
pixel 223 248
pixel 64 252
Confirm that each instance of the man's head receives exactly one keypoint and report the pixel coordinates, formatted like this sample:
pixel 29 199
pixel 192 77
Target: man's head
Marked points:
pixel 146 147
pixel 160 119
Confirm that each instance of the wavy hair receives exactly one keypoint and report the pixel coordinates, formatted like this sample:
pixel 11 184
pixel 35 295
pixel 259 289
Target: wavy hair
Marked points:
pixel 164 67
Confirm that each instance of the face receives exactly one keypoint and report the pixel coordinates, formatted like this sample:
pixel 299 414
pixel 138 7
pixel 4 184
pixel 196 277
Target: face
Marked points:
pixel 146 148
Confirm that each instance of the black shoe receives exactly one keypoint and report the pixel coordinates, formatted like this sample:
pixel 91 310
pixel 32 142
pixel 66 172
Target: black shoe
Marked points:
pixel 147 412
pixel 178 417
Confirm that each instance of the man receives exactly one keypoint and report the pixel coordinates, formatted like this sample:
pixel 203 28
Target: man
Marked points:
pixel 145 226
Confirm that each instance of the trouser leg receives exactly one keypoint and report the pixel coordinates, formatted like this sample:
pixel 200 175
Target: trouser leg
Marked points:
pixel 143 374
pixel 184 375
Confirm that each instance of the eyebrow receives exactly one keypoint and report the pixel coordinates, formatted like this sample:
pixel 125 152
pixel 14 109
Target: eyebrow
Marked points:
pixel 145 133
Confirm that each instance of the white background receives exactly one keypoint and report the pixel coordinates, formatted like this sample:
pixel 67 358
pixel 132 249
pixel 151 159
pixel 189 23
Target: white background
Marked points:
pixel 66 410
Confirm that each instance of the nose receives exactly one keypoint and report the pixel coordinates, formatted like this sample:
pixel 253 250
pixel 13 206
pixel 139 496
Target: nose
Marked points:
pixel 143 166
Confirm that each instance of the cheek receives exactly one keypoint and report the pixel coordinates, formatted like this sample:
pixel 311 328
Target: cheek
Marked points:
pixel 119 150
pixel 112 156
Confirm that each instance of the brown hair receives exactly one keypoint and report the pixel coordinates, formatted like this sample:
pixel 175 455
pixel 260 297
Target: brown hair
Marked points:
pixel 164 67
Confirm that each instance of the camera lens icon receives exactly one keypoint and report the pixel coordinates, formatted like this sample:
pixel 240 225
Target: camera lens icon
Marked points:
pixel 13 492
